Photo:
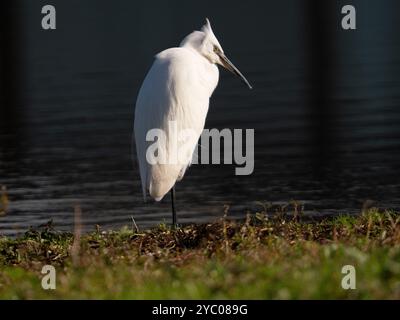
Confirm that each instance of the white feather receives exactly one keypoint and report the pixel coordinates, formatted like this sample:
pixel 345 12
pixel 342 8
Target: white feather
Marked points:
pixel 177 88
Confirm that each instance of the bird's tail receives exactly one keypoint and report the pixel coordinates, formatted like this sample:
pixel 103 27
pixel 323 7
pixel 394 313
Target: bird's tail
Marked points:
pixel 135 162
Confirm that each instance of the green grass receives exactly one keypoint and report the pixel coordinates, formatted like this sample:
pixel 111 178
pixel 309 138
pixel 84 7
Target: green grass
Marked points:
pixel 264 257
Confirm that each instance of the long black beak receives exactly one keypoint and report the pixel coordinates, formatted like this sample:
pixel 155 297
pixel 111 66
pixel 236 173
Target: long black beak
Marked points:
pixel 226 63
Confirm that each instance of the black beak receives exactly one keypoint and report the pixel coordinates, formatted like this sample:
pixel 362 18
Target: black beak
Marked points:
pixel 226 63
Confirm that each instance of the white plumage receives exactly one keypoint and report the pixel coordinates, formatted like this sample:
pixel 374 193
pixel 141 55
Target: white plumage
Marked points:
pixel 177 88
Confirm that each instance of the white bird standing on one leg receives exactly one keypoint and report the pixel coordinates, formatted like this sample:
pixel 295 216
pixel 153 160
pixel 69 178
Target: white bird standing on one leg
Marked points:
pixel 176 90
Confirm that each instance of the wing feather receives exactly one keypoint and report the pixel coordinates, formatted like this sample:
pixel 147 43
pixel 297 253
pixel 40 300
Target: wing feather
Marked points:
pixel 174 97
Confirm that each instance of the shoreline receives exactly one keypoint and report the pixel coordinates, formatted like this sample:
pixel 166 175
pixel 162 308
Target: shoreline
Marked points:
pixel 263 257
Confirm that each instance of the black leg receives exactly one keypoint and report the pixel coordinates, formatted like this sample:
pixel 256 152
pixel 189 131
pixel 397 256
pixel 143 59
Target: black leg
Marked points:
pixel 174 222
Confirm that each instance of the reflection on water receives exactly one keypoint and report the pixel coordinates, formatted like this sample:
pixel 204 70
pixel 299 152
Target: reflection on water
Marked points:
pixel 325 109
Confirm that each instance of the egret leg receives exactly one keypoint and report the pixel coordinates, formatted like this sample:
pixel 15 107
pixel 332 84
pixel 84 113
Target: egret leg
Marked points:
pixel 174 222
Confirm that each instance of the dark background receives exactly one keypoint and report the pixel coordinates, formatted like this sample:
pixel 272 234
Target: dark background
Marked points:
pixel 325 107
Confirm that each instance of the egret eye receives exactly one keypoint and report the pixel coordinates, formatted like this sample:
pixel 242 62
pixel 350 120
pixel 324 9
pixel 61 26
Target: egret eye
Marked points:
pixel 216 49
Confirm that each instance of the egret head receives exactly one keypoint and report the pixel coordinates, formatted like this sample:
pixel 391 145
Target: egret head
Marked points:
pixel 206 44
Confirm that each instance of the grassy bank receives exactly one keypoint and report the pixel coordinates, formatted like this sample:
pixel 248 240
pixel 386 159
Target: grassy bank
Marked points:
pixel 277 257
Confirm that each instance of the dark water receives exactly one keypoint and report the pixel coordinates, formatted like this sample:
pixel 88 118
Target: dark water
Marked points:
pixel 325 109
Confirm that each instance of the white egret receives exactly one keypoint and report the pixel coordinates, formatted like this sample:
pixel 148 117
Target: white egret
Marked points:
pixel 177 88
